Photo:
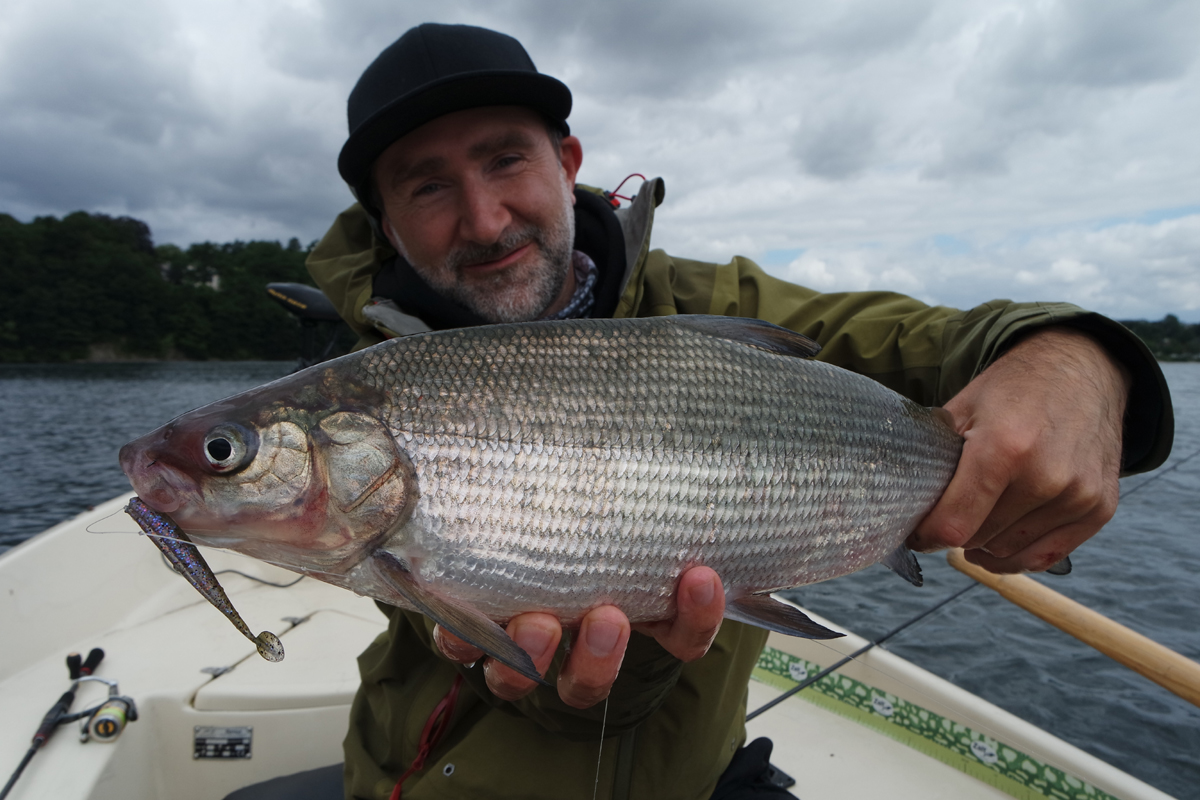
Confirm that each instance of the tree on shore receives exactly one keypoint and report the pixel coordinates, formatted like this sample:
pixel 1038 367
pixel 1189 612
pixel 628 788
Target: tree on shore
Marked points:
pixel 69 285
pixel 1169 339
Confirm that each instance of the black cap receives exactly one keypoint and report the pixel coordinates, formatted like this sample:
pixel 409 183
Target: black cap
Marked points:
pixel 433 70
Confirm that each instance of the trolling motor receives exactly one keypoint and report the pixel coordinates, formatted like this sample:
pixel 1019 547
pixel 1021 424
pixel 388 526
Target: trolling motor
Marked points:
pixel 103 722
pixel 315 312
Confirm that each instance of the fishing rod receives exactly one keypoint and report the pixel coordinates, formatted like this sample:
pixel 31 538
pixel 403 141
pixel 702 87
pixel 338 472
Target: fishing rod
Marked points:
pixel 810 681
pixel 1174 672
pixel 102 723
pixel 78 668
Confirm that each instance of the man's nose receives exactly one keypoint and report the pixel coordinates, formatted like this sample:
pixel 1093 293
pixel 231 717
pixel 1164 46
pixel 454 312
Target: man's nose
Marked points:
pixel 484 216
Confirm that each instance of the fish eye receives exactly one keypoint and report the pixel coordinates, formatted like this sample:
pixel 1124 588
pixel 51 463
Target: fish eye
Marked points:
pixel 229 447
pixel 219 449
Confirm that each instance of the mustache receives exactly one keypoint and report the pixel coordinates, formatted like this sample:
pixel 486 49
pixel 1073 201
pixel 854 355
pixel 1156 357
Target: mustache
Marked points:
pixel 470 254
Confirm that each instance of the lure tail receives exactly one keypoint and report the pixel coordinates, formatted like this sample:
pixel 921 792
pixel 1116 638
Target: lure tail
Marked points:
pixel 185 557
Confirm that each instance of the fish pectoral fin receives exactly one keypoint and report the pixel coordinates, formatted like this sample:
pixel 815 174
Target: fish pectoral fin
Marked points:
pixel 764 611
pixel 752 332
pixel 902 562
pixel 457 617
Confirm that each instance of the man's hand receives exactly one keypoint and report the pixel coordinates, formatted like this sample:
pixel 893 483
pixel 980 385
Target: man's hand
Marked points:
pixel 599 646
pixel 1042 430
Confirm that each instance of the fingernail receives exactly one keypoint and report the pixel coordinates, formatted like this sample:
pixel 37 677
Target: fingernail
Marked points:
pixel 703 594
pixel 534 641
pixel 601 638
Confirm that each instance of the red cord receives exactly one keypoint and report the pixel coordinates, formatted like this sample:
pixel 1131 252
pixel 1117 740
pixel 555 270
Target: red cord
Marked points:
pixel 431 734
pixel 615 198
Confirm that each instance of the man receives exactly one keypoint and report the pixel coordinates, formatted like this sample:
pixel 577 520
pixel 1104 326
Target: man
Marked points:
pixel 463 163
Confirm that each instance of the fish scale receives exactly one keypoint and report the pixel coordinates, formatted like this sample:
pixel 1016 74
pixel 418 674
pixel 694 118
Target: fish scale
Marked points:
pixel 603 410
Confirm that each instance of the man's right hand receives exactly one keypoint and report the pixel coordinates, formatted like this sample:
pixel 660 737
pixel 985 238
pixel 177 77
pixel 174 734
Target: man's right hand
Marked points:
pixel 599 647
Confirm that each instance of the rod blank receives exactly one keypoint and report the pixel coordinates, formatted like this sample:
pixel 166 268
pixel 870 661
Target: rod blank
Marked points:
pixel 1161 664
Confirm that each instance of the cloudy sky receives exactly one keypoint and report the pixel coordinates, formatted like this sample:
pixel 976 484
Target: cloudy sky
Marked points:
pixel 955 150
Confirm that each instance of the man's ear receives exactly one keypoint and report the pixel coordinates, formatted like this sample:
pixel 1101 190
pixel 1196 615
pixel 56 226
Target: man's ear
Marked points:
pixel 390 232
pixel 570 155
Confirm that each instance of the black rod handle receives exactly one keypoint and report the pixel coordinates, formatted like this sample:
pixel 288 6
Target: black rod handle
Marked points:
pixel 93 660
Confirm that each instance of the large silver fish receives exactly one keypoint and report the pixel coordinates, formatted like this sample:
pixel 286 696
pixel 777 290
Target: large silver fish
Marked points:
pixel 555 466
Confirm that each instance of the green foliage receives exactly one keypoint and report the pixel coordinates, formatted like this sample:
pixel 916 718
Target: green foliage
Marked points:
pixel 1169 339
pixel 87 280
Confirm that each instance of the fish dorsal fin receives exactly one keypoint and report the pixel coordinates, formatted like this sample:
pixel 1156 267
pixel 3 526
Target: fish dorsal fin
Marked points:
pixel 752 332
pixel 764 611
pixel 459 618
pixel 902 562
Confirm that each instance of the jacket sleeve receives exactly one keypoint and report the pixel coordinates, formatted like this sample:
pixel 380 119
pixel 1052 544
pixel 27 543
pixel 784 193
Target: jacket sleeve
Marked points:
pixel 927 353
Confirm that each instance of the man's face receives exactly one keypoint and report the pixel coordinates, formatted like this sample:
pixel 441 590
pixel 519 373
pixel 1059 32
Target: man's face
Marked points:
pixel 480 203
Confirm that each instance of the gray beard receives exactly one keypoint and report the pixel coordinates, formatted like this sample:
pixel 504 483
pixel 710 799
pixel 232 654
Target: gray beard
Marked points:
pixel 509 297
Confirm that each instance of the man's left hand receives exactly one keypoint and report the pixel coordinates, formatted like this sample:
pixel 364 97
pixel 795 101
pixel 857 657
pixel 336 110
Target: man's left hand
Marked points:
pixel 1042 430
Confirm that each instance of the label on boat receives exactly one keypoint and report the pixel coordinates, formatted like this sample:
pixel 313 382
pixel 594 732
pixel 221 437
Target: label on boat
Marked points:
pixel 214 742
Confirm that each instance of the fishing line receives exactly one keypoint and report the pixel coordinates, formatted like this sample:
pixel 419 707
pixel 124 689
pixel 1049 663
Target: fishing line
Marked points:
pixel 960 713
pixel 600 753
pixel 854 656
pixel 167 563
pixel 90 528
pixel 1159 474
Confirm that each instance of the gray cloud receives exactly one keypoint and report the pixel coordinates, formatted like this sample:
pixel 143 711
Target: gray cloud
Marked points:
pixel 858 132
pixel 1054 70
pixel 1100 45
pixel 837 146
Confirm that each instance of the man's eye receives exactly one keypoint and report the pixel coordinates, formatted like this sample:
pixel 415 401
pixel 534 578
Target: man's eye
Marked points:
pixel 507 161
pixel 426 189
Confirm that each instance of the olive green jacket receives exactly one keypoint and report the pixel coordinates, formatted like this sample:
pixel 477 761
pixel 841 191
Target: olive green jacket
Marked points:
pixel 671 728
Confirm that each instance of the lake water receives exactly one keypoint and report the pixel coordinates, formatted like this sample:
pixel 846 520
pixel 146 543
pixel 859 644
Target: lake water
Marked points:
pixel 65 424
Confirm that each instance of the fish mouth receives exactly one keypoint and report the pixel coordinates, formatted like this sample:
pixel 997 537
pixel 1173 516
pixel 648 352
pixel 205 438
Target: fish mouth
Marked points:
pixel 160 487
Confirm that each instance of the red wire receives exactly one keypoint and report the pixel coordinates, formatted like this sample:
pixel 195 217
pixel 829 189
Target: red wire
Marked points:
pixel 431 734
pixel 613 193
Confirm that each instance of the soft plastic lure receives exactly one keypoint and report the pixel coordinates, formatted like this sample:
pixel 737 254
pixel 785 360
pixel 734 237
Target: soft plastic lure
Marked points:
pixel 185 557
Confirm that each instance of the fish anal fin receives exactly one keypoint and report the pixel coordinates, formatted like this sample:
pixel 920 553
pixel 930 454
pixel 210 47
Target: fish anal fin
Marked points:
pixel 764 611
pixel 752 332
pixel 902 562
pixel 464 621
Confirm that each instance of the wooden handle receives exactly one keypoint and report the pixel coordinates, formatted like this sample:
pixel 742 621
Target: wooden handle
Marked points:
pixel 1145 656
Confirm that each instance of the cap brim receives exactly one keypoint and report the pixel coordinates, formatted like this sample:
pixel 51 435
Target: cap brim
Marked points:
pixel 455 93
